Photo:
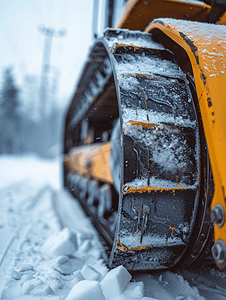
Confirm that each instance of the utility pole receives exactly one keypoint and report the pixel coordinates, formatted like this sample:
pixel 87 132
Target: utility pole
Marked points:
pixel 49 33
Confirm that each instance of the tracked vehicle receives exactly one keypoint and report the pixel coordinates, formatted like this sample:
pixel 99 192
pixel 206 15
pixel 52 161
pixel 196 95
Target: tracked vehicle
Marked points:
pixel 144 144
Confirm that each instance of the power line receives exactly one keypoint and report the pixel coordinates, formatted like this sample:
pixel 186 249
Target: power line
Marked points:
pixel 49 33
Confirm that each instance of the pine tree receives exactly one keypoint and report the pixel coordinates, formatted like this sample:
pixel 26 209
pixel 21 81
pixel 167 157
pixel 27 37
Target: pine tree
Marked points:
pixel 9 114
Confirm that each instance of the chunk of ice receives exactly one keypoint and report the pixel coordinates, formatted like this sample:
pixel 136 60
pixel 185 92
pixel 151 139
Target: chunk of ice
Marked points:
pixel 69 266
pixel 25 267
pixel 26 277
pixel 16 275
pixel 42 290
pixel 78 275
pixel 60 259
pixel 86 246
pixel 115 282
pixel 62 243
pixel 56 284
pixel 29 285
pixel 133 291
pixel 86 290
pixel 90 273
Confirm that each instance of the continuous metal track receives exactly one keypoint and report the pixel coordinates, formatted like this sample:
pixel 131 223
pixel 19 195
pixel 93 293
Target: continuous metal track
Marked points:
pixel 135 107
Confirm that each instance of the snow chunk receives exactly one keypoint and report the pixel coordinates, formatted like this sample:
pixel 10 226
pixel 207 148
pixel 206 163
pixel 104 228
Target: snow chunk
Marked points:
pixel 86 290
pixel 101 267
pixel 62 243
pixel 90 273
pixel 133 291
pixel 84 236
pixel 88 250
pixel 56 284
pixel 42 290
pixel 115 282
pixel 79 275
pixel 25 267
pixel 16 275
pixel 86 246
pixel 69 266
pixel 26 277
pixel 60 259
pixel 29 285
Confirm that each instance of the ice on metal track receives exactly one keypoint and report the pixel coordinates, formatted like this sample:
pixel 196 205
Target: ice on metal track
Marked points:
pixel 145 65
pixel 129 114
pixel 130 37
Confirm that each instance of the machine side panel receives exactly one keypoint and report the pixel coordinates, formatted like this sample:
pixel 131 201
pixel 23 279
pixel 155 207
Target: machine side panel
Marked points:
pixel 205 45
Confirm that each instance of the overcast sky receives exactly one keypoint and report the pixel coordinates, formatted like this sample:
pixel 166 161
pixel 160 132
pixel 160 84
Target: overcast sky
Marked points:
pixel 21 44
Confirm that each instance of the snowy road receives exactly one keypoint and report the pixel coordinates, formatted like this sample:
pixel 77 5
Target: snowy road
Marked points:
pixel 33 207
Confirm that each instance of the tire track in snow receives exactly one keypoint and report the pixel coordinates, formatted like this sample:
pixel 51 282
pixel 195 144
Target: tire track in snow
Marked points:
pixel 10 249
pixel 33 201
pixel 44 223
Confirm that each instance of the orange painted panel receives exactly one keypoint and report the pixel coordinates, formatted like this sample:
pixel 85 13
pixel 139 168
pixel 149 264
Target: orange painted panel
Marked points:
pixel 205 45
pixel 138 14
pixel 91 161
pixel 223 19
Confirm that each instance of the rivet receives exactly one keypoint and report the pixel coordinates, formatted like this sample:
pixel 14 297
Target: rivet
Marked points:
pixel 218 251
pixel 217 215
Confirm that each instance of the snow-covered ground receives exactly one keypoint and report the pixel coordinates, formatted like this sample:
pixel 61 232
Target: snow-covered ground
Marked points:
pixel 45 254
pixel 16 169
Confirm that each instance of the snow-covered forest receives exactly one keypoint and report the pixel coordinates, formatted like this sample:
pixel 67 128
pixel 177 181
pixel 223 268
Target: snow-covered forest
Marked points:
pixel 26 126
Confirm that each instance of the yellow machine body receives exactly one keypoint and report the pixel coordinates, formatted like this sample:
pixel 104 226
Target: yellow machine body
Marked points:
pixel 138 14
pixel 205 45
pixel 223 20
pixel 93 160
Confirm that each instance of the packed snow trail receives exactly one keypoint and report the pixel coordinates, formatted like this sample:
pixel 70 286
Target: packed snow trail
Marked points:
pixel 32 222
pixel 14 228
pixel 50 250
